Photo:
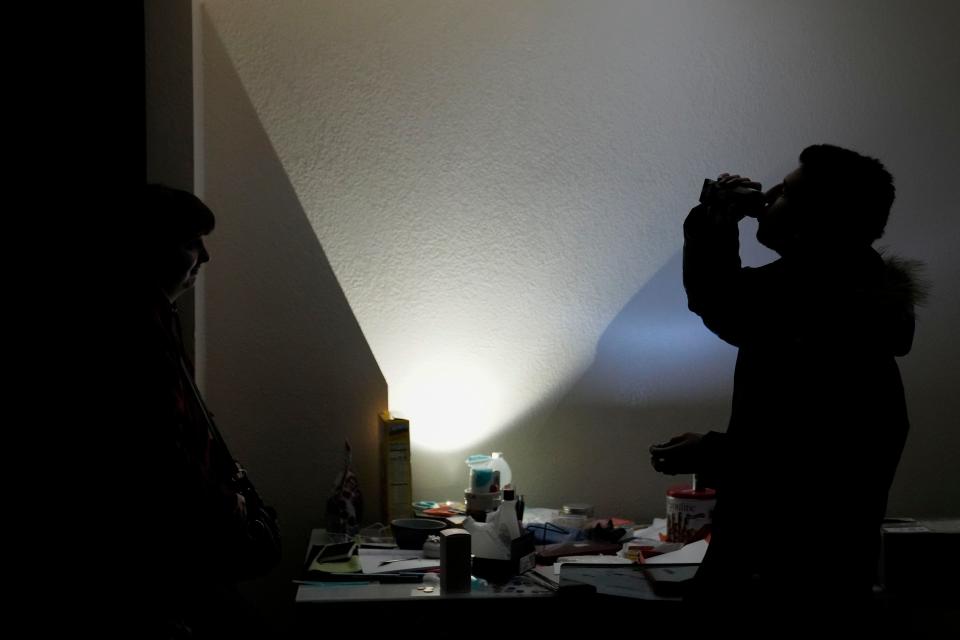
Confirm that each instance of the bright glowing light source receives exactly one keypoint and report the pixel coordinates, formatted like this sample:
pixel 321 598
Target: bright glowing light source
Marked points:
pixel 451 403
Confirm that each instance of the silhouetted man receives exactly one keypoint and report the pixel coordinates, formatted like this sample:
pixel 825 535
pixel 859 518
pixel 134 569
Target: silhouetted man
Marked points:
pixel 818 418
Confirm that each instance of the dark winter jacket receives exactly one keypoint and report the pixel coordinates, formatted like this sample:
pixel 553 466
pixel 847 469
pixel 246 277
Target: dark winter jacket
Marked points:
pixel 818 418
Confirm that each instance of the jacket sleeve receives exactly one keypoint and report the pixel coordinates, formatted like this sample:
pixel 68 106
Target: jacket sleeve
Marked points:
pixel 714 451
pixel 901 290
pixel 902 330
pixel 712 275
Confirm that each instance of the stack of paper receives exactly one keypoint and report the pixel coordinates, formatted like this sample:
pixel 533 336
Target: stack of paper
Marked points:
pixel 395 561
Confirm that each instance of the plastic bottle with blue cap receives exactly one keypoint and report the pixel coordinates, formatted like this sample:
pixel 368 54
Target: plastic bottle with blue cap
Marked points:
pixel 488 476
pixel 495 462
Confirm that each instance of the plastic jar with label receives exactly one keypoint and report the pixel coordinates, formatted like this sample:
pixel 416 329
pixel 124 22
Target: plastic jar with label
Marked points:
pixel 689 513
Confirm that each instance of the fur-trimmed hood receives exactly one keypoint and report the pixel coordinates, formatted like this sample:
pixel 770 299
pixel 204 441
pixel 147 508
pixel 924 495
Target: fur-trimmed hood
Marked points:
pixel 900 289
pixel 904 280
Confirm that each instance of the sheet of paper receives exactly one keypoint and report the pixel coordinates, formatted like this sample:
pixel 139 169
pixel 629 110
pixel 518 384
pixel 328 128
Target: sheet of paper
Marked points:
pixel 351 566
pixel 395 561
pixel 670 574
pixel 653 531
pixel 691 553
pixel 549 572
pixel 623 581
pixel 598 559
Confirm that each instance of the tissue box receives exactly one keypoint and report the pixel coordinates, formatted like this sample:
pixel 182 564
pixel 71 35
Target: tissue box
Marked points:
pixel 522 558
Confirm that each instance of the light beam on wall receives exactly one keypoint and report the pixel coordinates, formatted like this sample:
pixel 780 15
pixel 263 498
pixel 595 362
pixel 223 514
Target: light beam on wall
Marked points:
pixel 489 195
pixel 452 400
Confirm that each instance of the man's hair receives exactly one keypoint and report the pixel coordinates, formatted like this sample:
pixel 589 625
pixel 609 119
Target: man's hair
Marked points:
pixel 856 190
pixel 169 216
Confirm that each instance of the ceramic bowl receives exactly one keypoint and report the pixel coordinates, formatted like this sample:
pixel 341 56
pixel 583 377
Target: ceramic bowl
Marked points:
pixel 411 533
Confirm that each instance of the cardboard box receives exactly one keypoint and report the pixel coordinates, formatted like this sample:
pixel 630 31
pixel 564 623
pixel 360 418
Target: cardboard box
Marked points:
pixel 396 487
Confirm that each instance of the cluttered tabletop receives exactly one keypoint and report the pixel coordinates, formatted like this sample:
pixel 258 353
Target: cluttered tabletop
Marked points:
pixel 493 545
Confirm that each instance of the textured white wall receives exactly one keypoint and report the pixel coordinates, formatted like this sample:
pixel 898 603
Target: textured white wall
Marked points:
pixel 499 187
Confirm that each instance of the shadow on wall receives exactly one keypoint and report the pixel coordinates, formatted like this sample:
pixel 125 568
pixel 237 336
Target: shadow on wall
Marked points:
pixel 289 373
pixel 657 372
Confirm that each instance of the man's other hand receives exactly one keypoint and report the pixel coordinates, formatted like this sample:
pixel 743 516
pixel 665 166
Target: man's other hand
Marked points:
pixel 680 454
